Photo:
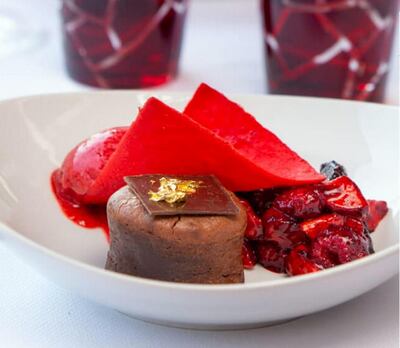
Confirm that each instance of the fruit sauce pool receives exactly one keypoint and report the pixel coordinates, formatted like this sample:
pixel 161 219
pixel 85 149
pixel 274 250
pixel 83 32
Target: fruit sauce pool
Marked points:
pixel 334 48
pixel 88 216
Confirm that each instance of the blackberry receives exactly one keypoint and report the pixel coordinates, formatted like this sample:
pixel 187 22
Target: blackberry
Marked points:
pixel 332 170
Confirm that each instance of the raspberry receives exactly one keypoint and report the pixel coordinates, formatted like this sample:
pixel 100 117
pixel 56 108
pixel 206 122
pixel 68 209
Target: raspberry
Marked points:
pixel 339 245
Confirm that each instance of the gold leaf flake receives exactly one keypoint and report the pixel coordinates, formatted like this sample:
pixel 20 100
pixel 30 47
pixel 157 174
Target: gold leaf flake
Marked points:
pixel 173 190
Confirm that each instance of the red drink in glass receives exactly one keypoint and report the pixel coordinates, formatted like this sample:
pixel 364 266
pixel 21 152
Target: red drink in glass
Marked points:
pixel 329 48
pixel 123 43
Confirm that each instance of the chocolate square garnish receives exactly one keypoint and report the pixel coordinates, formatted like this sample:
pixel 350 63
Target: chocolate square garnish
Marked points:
pixel 209 198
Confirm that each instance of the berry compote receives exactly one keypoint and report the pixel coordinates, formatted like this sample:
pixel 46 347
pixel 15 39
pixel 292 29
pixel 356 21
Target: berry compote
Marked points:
pixel 308 228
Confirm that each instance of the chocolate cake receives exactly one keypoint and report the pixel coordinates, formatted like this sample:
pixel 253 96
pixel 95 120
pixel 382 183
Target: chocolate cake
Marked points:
pixel 198 240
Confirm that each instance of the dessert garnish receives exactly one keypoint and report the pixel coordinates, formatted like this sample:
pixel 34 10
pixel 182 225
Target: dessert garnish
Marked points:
pixel 197 195
pixel 173 190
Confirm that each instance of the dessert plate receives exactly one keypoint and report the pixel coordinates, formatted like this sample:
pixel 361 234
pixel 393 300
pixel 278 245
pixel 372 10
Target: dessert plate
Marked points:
pixel 37 132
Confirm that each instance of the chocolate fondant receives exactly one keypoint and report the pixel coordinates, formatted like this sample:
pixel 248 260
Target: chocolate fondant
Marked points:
pixel 180 248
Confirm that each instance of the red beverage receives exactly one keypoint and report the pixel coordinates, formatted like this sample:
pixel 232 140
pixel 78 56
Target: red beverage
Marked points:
pixel 329 48
pixel 123 43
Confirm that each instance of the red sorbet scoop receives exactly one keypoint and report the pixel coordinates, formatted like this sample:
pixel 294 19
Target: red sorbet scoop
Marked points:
pixel 239 129
pixel 84 163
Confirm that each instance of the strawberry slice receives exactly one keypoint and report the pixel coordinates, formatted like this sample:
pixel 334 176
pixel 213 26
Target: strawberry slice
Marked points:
pixel 343 196
pixel 377 210
pixel 312 228
pixel 298 261
pixel 230 122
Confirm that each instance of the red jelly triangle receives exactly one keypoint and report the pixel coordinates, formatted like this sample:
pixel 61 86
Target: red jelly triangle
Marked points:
pixel 162 140
pixel 231 123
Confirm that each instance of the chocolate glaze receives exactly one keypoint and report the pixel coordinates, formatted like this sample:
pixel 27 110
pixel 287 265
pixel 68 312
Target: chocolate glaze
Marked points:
pixel 181 248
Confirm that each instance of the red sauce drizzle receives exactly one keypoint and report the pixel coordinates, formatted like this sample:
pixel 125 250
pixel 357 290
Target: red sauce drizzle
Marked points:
pixel 88 216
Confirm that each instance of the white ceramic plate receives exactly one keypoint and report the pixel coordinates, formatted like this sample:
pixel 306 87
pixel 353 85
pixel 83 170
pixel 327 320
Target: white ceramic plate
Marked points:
pixel 37 132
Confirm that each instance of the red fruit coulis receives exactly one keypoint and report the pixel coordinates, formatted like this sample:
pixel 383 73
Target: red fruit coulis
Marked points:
pixel 88 216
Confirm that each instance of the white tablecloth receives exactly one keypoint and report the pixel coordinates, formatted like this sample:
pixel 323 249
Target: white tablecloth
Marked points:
pixel 36 313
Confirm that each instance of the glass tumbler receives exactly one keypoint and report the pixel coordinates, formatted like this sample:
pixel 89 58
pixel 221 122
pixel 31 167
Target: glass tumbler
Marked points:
pixel 122 43
pixel 329 48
